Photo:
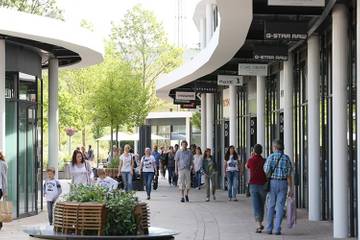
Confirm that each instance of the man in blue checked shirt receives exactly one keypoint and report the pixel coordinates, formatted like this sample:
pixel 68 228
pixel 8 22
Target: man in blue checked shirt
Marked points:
pixel 279 164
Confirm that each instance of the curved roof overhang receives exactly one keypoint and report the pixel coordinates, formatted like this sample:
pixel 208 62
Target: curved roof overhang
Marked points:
pixel 73 46
pixel 235 20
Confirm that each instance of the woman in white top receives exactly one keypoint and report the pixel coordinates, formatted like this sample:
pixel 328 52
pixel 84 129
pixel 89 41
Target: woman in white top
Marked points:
pixel 80 169
pixel 126 168
pixel 148 170
pixel 232 168
pixel 3 178
pixel 198 161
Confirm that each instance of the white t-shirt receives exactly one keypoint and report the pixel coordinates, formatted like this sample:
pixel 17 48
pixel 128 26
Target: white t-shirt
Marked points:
pixel 108 183
pixel 79 174
pixel 126 162
pixel 52 189
pixel 198 160
pixel 148 164
pixel 232 164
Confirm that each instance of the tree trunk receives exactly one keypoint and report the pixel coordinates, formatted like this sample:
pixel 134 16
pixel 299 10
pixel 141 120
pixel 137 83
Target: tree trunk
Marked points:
pixel 117 136
pixel 111 141
pixel 83 132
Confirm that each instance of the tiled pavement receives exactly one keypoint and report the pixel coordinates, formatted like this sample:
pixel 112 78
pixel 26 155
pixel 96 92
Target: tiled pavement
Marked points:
pixel 197 220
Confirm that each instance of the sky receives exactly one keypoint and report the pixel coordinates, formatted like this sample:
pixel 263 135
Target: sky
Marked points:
pixel 102 12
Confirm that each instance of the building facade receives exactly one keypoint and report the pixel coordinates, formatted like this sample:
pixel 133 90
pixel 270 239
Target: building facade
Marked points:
pixel 293 77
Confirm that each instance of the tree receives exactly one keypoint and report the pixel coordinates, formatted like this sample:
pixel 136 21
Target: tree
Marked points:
pixel 144 44
pixel 196 120
pixel 46 8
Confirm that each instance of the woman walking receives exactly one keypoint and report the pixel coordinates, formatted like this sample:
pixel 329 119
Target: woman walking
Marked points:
pixel 198 160
pixel 171 166
pixel 209 167
pixel 148 170
pixel 126 168
pixel 232 168
pixel 3 179
pixel 257 181
pixel 80 169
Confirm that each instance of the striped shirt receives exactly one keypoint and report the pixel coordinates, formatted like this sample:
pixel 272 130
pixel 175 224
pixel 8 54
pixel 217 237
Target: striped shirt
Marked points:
pixel 283 169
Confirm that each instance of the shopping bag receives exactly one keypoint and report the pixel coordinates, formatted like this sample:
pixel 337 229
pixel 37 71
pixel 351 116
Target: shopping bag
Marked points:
pixel 291 212
pixel 5 211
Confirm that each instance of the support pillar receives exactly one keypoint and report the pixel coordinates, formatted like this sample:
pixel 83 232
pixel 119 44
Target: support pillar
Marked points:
pixel 188 130
pixel 203 121
pixel 2 94
pixel 53 114
pixel 210 121
pixel 313 92
pixel 288 106
pixel 358 105
pixel 339 105
pixel 260 110
pixel 232 116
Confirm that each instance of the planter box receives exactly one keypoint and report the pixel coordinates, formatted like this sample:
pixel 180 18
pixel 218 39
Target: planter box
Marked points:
pixel 111 172
pixel 142 216
pixel 79 218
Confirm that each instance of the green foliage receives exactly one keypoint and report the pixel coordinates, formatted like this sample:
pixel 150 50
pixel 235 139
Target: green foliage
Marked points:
pixel 120 219
pixel 196 120
pixel 114 163
pixel 86 193
pixel 46 8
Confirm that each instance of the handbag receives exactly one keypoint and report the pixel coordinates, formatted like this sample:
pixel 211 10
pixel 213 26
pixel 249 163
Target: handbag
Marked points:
pixel 5 211
pixel 268 176
pixel 291 212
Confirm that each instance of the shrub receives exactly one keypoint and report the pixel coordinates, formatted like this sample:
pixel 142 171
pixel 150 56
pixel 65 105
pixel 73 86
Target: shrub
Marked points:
pixel 86 193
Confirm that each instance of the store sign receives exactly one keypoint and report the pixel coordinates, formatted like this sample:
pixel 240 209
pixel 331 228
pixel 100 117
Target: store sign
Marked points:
pixel 269 53
pixel 202 86
pixel 189 96
pixel 226 103
pixel 177 101
pixel 226 80
pixel 253 69
pixel 191 105
pixel 300 3
pixel 226 134
pixel 293 31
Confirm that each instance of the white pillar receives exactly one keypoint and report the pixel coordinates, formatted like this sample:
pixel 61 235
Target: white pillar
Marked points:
pixel 232 115
pixel 260 110
pixel 209 21
pixel 188 130
pixel 288 107
pixel 313 92
pixel 203 121
pixel 2 94
pixel 358 105
pixel 202 33
pixel 339 100
pixel 53 114
pixel 210 121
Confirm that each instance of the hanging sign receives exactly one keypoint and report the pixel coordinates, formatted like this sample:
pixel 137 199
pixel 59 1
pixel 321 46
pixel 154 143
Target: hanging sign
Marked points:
pixel 205 86
pixel 270 53
pixel 185 96
pixel 246 69
pixel 300 3
pixel 286 31
pixel 177 101
pixel 226 80
pixel 191 105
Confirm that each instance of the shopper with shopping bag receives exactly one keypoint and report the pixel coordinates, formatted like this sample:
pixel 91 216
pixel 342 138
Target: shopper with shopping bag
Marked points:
pixel 5 207
pixel 291 212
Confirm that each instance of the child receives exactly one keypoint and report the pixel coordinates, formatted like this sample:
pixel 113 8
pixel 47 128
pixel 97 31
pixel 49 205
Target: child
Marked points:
pixel 52 190
pixel 106 181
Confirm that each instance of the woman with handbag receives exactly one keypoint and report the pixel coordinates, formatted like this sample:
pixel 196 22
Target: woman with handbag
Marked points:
pixel 3 179
pixel 232 168
pixel 256 183
pixel 80 169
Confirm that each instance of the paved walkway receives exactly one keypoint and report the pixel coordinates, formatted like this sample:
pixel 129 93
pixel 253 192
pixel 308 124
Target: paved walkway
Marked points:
pixel 198 220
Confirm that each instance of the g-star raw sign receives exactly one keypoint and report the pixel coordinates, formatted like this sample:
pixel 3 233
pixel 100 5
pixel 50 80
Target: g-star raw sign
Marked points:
pixel 246 69
pixel 286 31
pixel 300 3
pixel 271 53
pixel 226 80
pixel 189 96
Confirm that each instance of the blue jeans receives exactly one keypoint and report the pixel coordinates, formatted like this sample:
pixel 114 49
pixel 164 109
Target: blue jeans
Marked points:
pixel 232 178
pixel 278 192
pixel 197 179
pixel 171 172
pixel 127 180
pixel 258 195
pixel 148 178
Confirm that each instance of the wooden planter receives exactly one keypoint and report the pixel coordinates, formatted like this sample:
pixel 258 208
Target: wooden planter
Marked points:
pixel 79 218
pixel 142 216
pixel 111 172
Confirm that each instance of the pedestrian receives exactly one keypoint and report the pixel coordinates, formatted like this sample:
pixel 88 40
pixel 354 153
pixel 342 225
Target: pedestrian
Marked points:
pixel 90 156
pixel 156 156
pixel 163 161
pixel 209 167
pixel 257 180
pixel 279 167
pixel 232 169
pixel 106 181
pixel 52 191
pixel 83 151
pixel 176 147
pixel 3 179
pixel 198 162
pixel 184 163
pixel 171 166
pixel 80 169
pixel 148 170
pixel 126 168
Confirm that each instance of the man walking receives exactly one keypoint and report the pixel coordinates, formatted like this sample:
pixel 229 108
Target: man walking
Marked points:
pixel 184 163
pixel 278 165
